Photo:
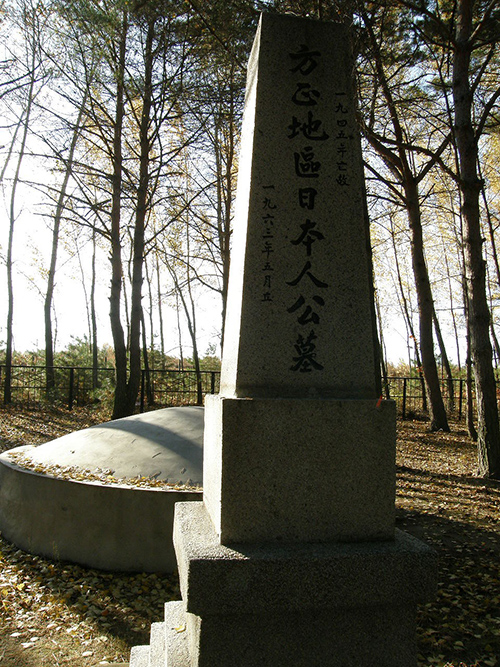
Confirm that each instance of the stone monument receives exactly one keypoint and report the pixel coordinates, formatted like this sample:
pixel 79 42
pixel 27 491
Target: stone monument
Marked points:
pixel 293 558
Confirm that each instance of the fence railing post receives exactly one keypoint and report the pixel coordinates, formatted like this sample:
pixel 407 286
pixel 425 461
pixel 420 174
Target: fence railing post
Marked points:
pixel 71 388
pixel 460 399
pixel 404 399
pixel 176 387
pixel 143 378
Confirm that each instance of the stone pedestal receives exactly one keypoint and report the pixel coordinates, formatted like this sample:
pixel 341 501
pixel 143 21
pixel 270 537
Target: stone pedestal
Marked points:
pixel 288 470
pixel 293 559
pixel 306 605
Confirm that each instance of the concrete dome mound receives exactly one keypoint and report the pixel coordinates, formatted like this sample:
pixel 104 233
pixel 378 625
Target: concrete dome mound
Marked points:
pixel 116 526
pixel 164 444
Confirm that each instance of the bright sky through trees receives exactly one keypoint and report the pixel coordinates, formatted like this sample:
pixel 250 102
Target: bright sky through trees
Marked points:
pixel 32 247
pixel 214 52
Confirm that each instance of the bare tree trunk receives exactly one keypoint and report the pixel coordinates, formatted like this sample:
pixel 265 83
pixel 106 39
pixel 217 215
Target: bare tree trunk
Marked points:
pixel 147 373
pixel 398 159
pixel 478 312
pixel 496 344
pixel 179 329
pixel 136 311
pixel 471 428
pixel 439 420
pixel 149 283
pixel 189 311
pixel 225 165
pixel 160 310
pixel 491 230
pixel 24 122
pixel 494 338
pixel 93 317
pixel 446 363
pixel 409 322
pixel 49 294
pixel 452 309
pixel 383 366
pixel 120 398
pixel 7 396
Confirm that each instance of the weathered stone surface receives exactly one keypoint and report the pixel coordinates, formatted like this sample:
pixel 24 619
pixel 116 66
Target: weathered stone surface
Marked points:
pixel 139 656
pixel 299 469
pixel 177 650
pixel 157 650
pixel 106 527
pixel 332 604
pixel 384 638
pixel 165 444
pixel 217 579
pixel 300 310
pixel 353 637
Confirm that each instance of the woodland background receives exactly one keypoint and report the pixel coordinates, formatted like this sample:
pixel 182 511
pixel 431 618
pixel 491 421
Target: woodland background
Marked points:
pixel 119 132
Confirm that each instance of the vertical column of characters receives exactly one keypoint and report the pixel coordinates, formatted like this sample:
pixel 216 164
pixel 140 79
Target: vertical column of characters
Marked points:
pixel 306 130
pixel 268 218
pixel 342 140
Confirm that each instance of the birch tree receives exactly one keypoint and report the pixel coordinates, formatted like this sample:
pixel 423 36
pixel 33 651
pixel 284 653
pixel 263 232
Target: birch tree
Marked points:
pixel 28 19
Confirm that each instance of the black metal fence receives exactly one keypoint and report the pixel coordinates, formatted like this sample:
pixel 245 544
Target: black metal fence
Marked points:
pixel 411 400
pixel 170 387
pixel 81 385
pixel 73 385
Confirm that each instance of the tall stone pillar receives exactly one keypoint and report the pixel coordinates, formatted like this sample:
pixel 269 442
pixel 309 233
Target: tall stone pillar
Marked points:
pixel 293 558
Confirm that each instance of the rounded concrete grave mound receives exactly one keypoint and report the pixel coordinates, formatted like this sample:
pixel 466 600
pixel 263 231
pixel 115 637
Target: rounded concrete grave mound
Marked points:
pixel 104 497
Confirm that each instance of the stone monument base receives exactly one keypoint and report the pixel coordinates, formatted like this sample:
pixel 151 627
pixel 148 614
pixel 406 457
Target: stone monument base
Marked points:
pixel 300 470
pixel 341 605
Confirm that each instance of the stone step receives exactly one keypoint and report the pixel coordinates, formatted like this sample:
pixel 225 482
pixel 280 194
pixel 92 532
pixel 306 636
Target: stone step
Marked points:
pixel 176 641
pixel 152 655
pixel 168 645
pixel 139 656
pixel 157 657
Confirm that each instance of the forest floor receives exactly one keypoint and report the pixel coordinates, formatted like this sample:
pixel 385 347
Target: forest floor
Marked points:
pixel 58 614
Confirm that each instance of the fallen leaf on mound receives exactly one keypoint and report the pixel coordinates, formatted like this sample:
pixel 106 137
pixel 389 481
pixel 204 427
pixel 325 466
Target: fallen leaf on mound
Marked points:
pixel 98 475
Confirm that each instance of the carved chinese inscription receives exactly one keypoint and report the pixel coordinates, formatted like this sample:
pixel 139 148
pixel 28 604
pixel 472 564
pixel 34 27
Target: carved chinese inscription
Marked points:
pixel 341 140
pixel 308 293
pixel 268 219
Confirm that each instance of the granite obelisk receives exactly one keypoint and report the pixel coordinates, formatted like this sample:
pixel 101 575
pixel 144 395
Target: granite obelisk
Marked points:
pixel 293 558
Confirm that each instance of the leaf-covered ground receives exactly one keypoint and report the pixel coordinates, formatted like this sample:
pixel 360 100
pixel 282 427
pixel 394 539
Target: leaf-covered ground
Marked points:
pixel 55 614
pixel 440 500
pixel 35 426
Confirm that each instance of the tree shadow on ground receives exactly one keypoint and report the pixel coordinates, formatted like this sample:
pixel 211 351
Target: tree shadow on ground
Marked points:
pixel 458 517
